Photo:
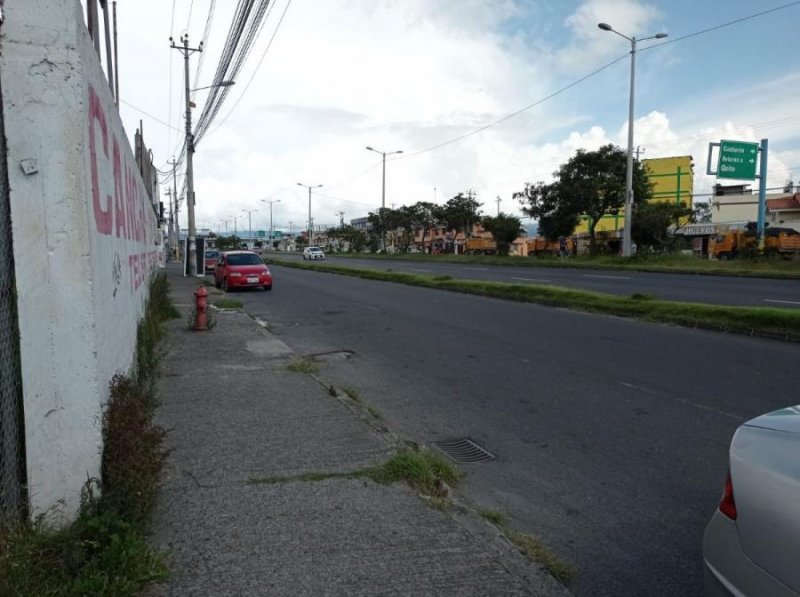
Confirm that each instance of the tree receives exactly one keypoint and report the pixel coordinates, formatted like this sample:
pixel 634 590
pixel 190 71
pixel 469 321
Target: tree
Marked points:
pixel 460 213
pixel 505 229
pixel 424 215
pixel 652 222
pixel 590 183
pixel 228 243
pixel 702 212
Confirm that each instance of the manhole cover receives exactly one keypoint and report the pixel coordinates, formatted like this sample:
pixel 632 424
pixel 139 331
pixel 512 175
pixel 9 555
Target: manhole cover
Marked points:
pixel 464 450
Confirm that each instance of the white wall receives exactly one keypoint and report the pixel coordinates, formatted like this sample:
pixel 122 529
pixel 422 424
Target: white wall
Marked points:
pixel 84 242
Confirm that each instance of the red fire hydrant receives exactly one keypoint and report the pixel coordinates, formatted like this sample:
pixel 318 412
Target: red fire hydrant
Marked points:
pixel 201 309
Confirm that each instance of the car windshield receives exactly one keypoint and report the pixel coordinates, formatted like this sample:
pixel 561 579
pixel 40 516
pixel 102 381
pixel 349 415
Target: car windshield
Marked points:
pixel 212 254
pixel 314 250
pixel 244 259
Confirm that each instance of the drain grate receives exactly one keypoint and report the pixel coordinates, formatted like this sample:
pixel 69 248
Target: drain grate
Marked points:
pixel 464 450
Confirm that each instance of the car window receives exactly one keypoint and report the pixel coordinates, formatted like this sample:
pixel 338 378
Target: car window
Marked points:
pixel 244 259
pixel 212 254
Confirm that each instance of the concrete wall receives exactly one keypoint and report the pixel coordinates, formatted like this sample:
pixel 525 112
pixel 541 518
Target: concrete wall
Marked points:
pixel 736 209
pixel 85 239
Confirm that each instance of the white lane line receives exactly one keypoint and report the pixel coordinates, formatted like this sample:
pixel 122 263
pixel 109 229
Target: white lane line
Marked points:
pixel 679 399
pixel 368 306
pixel 413 269
pixel 530 279
pixel 782 302
pixel 477 269
pixel 606 277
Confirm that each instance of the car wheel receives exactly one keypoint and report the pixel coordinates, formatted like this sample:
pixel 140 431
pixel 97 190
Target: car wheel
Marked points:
pixel 225 285
pixel 216 282
pixel 268 287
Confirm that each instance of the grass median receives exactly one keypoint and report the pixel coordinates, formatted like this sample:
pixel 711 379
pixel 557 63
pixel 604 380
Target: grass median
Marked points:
pixel 773 267
pixel 769 322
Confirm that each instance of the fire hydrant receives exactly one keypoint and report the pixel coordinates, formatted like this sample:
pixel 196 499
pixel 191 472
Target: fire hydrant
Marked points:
pixel 201 309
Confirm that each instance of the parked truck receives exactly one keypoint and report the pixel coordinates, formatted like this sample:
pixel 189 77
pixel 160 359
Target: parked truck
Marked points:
pixel 477 245
pixel 542 246
pixel 737 243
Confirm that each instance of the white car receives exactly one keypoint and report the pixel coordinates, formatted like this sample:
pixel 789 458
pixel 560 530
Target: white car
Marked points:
pixel 751 546
pixel 312 253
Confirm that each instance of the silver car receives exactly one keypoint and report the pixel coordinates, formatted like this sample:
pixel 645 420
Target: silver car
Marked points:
pixel 751 547
pixel 313 253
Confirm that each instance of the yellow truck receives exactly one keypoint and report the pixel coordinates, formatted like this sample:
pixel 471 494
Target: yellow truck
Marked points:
pixel 477 245
pixel 736 243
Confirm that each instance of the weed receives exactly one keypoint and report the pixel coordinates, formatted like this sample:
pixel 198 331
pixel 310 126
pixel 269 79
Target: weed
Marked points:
pixel 643 296
pixel 374 412
pixel 493 516
pixel 439 503
pixel 418 468
pixel 303 365
pixel 226 303
pixel 442 278
pixel 537 551
pixel 332 391
pixel 353 394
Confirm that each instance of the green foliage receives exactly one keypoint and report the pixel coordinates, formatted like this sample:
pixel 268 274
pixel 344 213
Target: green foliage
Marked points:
pixel 505 229
pixel 460 213
pixel 590 183
pixel 419 468
pixel 537 551
pixel 702 212
pixel 303 365
pixel 105 550
pixel 226 303
pixel 652 222
pixel 493 516
pixel 228 243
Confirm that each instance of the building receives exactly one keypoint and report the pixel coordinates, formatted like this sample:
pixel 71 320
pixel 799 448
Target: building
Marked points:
pixel 734 206
pixel 673 181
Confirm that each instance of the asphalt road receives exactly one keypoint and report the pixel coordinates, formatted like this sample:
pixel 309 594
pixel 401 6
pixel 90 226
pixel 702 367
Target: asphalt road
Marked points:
pixel 721 290
pixel 611 435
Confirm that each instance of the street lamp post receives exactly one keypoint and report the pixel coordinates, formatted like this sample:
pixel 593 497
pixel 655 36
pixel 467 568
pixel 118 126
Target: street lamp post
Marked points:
pixel 626 235
pixel 271 201
pixel 310 230
pixel 383 184
pixel 250 220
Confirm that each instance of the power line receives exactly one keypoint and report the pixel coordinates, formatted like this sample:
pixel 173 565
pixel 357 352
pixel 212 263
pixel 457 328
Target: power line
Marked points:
pixel 204 41
pixel 723 25
pixel 158 120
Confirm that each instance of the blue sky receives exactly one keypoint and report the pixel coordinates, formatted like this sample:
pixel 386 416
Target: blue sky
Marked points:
pixel 413 74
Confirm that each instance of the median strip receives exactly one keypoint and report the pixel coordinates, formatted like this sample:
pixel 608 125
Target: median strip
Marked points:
pixel 769 322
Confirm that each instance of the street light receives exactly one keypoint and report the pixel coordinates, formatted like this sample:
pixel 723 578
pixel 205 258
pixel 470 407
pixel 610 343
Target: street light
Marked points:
pixel 626 235
pixel 383 185
pixel 250 220
pixel 310 231
pixel 270 201
pixel 220 84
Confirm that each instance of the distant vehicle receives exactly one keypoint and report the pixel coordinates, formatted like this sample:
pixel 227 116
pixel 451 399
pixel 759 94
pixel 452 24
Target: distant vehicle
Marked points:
pixel 730 245
pixel 211 257
pixel 313 253
pixel 751 545
pixel 241 269
pixel 477 245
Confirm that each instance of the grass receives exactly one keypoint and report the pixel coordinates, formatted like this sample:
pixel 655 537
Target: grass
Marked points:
pixel 760 321
pixel 419 468
pixel 764 267
pixel 537 551
pixel 226 303
pixel 493 516
pixel 303 365
pixel 104 551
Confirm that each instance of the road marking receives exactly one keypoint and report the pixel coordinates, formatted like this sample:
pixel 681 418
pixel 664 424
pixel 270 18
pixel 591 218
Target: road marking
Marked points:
pixel 782 302
pixel 413 269
pixel 606 277
pixel 529 279
pixel 477 269
pixel 677 399
pixel 368 306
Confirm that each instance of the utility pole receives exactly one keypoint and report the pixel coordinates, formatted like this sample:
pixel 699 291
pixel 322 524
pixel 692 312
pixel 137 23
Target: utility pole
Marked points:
pixel 250 220
pixel 187 51
pixel 270 201
pixel 235 229
pixel 175 203
pixel 171 228
pixel 498 204
pixel 639 150
pixel 341 217
pixel 310 225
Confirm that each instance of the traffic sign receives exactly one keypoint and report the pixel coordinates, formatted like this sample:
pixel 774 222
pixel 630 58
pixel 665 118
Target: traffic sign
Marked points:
pixel 737 160
pixel 262 234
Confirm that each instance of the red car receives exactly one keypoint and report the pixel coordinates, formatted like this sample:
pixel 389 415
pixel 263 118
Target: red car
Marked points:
pixel 241 269
pixel 211 257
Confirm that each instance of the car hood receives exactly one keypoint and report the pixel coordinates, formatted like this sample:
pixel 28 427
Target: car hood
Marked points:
pixel 786 420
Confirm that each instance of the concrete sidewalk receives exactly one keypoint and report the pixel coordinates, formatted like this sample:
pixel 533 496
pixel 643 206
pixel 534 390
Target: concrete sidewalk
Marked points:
pixel 234 413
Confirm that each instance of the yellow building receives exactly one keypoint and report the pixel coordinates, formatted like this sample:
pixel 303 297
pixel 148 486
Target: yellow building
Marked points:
pixel 672 179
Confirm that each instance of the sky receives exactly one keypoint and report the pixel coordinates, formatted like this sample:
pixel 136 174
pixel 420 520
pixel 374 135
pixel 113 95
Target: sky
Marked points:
pixel 336 76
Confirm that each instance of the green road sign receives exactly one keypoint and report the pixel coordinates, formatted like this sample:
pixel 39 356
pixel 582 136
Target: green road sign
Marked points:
pixel 262 234
pixel 737 159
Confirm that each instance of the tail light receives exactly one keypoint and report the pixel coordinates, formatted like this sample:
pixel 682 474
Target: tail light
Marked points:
pixel 727 505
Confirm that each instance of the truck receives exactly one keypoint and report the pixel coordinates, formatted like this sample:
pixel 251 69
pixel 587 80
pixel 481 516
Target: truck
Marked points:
pixel 542 246
pixel 477 245
pixel 736 243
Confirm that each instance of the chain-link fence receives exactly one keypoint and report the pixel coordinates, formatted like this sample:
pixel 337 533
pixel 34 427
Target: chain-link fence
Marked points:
pixel 12 453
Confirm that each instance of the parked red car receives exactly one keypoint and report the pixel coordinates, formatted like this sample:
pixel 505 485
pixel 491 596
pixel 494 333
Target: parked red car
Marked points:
pixel 241 269
pixel 211 257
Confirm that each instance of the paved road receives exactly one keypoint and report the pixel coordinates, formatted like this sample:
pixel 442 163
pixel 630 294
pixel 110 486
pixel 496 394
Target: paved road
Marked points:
pixel 722 290
pixel 611 435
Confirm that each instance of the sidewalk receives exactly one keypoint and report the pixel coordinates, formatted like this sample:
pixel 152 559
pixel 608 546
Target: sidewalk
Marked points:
pixel 234 412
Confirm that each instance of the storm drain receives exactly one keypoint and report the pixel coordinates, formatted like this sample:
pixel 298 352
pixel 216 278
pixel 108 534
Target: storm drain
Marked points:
pixel 464 450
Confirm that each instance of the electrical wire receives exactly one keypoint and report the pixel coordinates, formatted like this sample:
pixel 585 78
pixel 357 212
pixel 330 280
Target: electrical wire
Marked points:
pixel 158 120
pixel 204 42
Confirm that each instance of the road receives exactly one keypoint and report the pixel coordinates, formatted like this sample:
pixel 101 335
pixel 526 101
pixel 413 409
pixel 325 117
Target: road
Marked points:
pixel 611 435
pixel 721 290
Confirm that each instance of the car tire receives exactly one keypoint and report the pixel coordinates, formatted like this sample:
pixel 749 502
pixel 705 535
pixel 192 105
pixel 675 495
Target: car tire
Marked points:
pixel 216 282
pixel 225 285
pixel 267 287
